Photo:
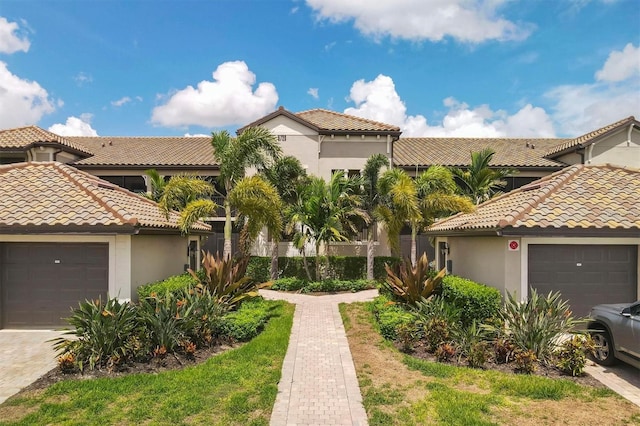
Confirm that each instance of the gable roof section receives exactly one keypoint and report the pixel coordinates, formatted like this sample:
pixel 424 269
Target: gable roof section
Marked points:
pixel 331 121
pixel 510 152
pixel 53 197
pixel 591 137
pixel 146 152
pixel 579 200
pixel 23 138
pixel 327 122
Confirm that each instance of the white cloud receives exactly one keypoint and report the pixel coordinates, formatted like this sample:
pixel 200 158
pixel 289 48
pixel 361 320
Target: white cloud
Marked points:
pixel 75 126
pixel 313 91
pixel 121 101
pixel 580 108
pixel 378 100
pixel 10 40
pixel 417 20
pixel 227 100
pixel 83 78
pixel 22 102
pixel 620 65
pixel 196 135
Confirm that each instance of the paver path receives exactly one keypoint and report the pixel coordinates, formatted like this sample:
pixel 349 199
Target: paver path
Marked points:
pixel 318 384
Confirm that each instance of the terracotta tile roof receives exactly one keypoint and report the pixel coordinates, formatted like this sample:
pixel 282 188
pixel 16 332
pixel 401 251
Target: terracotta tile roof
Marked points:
pixel 588 138
pixel 24 137
pixel 457 151
pixel 581 197
pixel 49 194
pixel 335 121
pixel 147 151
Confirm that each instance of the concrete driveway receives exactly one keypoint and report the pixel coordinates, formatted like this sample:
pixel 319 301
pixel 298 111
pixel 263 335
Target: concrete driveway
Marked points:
pixel 25 355
pixel 621 378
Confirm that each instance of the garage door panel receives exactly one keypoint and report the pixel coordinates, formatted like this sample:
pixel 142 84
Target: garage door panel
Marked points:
pixel 586 275
pixel 37 291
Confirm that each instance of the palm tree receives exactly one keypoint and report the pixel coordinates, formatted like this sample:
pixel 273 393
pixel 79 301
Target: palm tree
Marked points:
pixel 157 184
pixel 326 213
pixel 287 175
pixel 259 206
pixel 255 147
pixel 372 201
pixel 437 197
pixel 480 182
pixel 189 195
pixel 399 205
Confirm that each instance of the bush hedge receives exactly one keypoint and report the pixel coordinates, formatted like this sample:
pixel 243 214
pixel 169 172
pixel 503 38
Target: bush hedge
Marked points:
pixel 475 301
pixel 171 284
pixel 296 284
pixel 249 320
pixel 348 268
pixel 389 316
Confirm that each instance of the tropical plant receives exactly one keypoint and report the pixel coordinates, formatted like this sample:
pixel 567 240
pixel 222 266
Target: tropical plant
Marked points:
pixel 259 206
pixel 207 315
pixel 398 205
pixel 372 201
pixel 471 342
pixel 436 319
pixel 254 147
pixel 572 354
pixel 158 184
pixel 479 181
pixel 414 282
pixel 288 176
pixel 100 335
pixel 537 324
pixel 191 196
pixel 226 280
pixel 526 361
pixel 325 213
pixel 167 321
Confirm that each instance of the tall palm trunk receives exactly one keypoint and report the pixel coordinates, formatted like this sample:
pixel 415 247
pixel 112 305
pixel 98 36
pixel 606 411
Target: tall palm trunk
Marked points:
pixel 227 229
pixel 306 264
pixel 317 261
pixel 370 252
pixel 414 233
pixel 274 259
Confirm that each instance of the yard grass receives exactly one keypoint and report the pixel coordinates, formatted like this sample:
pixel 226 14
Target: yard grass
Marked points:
pixel 238 387
pixel 398 389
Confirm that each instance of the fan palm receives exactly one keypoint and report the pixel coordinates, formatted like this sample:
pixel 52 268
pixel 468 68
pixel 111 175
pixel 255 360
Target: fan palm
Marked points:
pixel 255 147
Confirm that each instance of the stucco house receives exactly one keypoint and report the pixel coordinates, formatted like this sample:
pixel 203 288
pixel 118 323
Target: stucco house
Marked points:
pixel 66 236
pixel 576 231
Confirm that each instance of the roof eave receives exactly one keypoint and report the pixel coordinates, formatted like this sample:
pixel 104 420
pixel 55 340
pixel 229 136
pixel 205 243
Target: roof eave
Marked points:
pixel 65 229
pixel 280 111
pixel 571 232
pixel 392 133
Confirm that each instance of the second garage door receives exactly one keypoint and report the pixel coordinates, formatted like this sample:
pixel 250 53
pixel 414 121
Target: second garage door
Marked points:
pixel 586 275
pixel 40 282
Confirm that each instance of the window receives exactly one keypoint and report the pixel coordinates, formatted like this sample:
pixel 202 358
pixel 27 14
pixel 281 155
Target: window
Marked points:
pixel 282 138
pixel 132 183
pixel 353 173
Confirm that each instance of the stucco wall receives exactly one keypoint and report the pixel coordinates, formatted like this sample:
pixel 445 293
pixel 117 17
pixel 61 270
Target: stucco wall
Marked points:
pixel 301 141
pixel 349 154
pixel 616 150
pixel 481 259
pixel 156 257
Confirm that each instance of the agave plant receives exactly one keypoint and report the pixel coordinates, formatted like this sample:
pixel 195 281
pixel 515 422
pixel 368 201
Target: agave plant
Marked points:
pixel 226 280
pixel 414 282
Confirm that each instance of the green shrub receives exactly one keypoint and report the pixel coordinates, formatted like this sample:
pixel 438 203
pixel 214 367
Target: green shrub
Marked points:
pixel 390 316
pixel 101 335
pixel 249 320
pixel 471 342
pixel 572 354
pixel 437 320
pixel 167 322
pixel 476 302
pixel 288 284
pixel 348 268
pixel 414 282
pixel 172 284
pixel 538 323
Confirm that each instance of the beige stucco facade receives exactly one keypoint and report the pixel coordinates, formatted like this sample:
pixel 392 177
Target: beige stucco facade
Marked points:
pixel 491 261
pixel 621 148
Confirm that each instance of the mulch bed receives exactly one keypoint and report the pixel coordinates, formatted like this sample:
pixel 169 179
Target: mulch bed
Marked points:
pixel 551 372
pixel 154 366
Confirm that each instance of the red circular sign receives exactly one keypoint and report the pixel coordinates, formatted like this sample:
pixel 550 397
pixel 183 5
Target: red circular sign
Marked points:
pixel 513 245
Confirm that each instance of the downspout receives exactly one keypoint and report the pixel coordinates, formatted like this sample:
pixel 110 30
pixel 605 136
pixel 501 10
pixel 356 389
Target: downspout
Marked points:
pixel 629 134
pixel 589 153
pixel 55 154
pixel 320 139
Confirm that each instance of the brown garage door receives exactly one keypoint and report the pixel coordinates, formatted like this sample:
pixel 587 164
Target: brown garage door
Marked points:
pixel 586 275
pixel 40 282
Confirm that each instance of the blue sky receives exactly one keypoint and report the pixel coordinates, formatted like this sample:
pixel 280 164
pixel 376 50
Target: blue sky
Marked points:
pixel 439 67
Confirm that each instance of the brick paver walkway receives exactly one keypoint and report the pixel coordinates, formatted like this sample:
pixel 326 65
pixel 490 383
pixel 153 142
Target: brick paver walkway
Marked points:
pixel 318 384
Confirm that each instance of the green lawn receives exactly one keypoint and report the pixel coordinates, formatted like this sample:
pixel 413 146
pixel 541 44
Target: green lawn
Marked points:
pixel 237 387
pixel 398 389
